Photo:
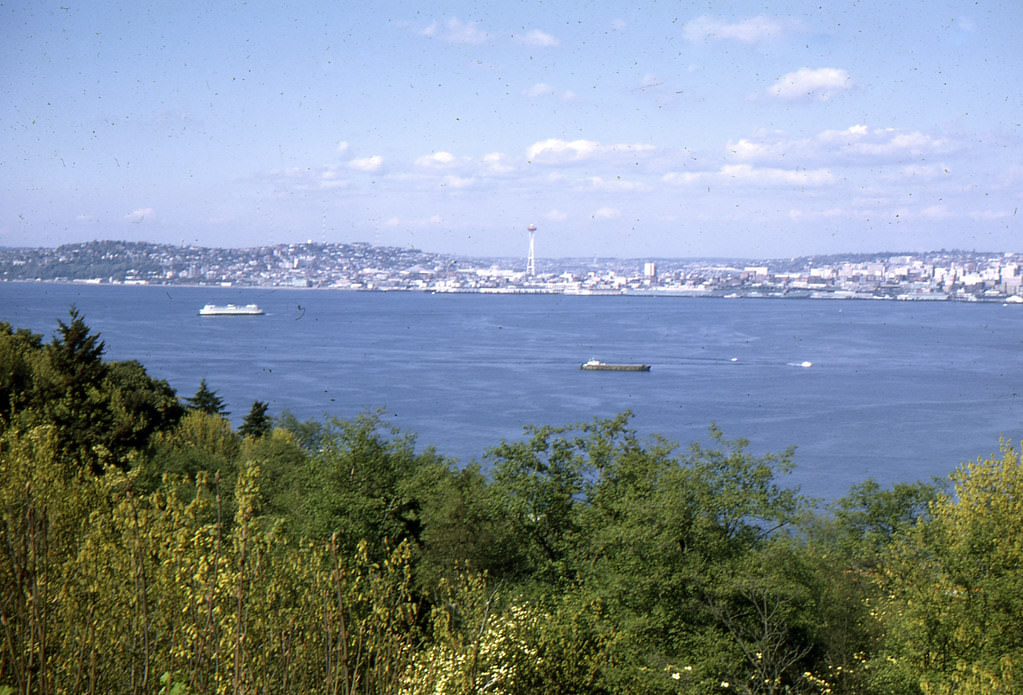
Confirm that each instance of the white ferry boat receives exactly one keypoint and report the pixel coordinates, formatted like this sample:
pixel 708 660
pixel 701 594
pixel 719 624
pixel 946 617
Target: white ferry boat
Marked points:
pixel 230 310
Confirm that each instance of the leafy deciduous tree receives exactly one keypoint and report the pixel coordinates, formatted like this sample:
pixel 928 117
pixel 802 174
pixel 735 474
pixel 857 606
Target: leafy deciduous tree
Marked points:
pixel 953 587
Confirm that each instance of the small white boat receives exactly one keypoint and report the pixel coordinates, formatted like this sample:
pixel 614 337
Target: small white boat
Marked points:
pixel 230 310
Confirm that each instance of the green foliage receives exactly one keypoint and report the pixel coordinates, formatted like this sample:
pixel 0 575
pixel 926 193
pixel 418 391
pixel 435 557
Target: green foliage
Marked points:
pixel 281 462
pixel 256 424
pixel 76 354
pixel 953 586
pixel 104 589
pixel 169 686
pixel 200 444
pixel 486 642
pixel 310 434
pixel 581 490
pixel 17 349
pixel 207 401
pixel 103 412
pixel 540 480
pixel 70 394
pixel 139 406
pixel 869 517
pixel 359 485
pixel 44 506
pixel 677 547
pixel 461 525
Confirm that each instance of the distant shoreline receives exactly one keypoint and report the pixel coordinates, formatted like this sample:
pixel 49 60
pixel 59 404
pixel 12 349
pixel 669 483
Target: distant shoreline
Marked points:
pixel 962 276
pixel 673 293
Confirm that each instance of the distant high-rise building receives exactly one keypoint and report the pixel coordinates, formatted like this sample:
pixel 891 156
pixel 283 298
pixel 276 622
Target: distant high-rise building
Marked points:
pixel 649 273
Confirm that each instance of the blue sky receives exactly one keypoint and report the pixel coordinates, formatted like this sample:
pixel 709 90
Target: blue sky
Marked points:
pixel 637 130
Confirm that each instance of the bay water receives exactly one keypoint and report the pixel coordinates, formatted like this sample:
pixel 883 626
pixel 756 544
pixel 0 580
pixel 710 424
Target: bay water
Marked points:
pixel 897 391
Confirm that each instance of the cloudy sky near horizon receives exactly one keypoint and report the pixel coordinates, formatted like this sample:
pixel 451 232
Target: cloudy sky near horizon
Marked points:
pixel 637 130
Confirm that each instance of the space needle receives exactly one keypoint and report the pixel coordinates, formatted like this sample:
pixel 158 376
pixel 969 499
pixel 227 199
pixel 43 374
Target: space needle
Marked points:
pixel 531 259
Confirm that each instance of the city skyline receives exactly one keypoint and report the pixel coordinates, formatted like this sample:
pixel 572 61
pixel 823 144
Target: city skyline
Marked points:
pixel 644 130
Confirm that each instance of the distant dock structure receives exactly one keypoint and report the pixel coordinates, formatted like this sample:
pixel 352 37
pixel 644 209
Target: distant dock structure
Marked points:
pixel 531 258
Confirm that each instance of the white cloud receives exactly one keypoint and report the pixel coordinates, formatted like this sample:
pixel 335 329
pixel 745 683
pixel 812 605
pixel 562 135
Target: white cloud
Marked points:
pixel 683 177
pixel 606 214
pixel 923 172
pixel 630 147
pixel 936 212
pixel 889 142
pixel 769 176
pixel 289 172
pixel 342 147
pixel 367 163
pixel 747 150
pixel 748 174
pixel 540 89
pixel 617 184
pixel 495 163
pixel 650 80
pixel 539 38
pixel 555 215
pixel 455 30
pixel 751 30
pixel 555 150
pixel 451 181
pixel 857 144
pixel 329 179
pixel 989 215
pixel 853 132
pixel 820 84
pixel 826 214
pixel 139 215
pixel 437 160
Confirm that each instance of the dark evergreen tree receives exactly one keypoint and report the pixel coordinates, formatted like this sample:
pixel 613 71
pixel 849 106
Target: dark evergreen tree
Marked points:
pixel 256 424
pixel 77 354
pixel 207 401
pixel 69 391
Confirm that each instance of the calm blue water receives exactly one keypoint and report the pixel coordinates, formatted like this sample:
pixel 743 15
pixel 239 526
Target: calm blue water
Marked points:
pixel 897 391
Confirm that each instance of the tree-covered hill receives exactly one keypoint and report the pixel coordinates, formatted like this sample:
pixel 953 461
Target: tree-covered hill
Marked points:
pixel 128 261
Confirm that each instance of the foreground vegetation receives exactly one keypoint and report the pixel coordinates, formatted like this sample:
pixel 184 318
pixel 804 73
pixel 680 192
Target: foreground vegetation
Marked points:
pixel 146 547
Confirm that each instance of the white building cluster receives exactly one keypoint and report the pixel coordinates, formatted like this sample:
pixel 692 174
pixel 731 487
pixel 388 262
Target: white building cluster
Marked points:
pixel 944 275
